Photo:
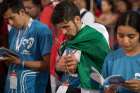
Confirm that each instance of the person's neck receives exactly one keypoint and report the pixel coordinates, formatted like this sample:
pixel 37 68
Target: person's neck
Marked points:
pixel 26 21
pixel 133 52
pixel 107 13
pixel 81 25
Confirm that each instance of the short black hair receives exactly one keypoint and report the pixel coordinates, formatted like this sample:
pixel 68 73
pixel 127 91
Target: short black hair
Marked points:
pixel 129 18
pixel 14 5
pixel 37 2
pixel 65 11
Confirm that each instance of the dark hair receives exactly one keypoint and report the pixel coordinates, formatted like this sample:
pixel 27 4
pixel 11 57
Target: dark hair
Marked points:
pixel 65 11
pixel 129 18
pixel 128 4
pixel 37 2
pixel 87 4
pixel 14 5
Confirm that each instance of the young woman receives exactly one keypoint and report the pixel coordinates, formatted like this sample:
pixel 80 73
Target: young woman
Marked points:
pixel 125 61
pixel 108 18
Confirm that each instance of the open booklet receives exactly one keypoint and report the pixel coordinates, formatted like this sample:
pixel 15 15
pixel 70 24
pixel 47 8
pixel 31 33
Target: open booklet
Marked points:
pixel 113 79
pixel 4 52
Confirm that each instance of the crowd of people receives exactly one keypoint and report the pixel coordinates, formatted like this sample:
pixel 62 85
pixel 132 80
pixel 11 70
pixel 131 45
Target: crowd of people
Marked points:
pixel 58 43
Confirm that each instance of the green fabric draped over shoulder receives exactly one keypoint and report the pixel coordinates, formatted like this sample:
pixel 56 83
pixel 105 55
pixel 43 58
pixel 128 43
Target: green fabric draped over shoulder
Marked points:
pixel 94 48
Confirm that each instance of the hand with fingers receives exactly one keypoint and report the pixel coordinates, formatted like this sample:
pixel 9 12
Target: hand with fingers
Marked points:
pixel 111 89
pixel 67 63
pixel 133 85
pixel 71 63
pixel 60 65
pixel 10 59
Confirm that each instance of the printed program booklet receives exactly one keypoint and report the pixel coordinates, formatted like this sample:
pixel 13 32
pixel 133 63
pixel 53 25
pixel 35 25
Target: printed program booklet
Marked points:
pixel 4 52
pixel 113 79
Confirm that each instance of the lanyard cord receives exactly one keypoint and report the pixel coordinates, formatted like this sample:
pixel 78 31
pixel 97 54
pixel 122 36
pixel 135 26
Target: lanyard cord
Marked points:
pixel 20 37
pixel 21 34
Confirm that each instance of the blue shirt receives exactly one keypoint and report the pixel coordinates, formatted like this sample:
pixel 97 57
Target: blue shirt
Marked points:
pixel 34 43
pixel 119 63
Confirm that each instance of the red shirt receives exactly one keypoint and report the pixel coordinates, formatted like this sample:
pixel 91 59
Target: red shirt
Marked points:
pixel 46 14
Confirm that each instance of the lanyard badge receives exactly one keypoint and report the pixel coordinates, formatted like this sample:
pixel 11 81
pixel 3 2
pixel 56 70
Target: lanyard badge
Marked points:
pixel 62 89
pixel 13 80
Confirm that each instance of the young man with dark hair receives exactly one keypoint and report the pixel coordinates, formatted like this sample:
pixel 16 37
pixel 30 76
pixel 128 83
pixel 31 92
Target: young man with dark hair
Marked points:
pixel 85 48
pixel 31 40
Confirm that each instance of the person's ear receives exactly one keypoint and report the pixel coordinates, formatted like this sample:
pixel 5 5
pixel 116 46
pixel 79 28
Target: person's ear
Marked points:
pixel 77 19
pixel 22 12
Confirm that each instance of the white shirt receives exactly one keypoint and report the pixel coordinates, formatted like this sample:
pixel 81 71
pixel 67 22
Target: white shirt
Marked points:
pixel 102 29
pixel 88 17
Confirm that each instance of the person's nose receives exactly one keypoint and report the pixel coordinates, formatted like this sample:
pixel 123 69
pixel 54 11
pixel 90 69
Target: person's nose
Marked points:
pixel 126 40
pixel 64 31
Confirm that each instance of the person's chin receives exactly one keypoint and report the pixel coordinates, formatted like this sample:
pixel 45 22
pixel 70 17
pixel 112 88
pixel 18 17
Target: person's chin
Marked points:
pixel 128 48
pixel 17 27
pixel 68 36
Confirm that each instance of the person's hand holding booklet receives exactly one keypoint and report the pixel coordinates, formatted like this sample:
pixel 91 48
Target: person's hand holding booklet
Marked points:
pixel 6 54
pixel 111 80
